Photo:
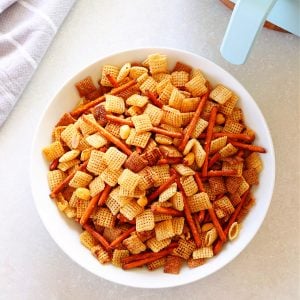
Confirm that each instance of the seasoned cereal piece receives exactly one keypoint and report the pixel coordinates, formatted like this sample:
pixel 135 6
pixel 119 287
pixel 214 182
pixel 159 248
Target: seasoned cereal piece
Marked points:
pixel 164 230
pixel 220 94
pixel 131 210
pixel 184 249
pixel 80 179
pixel 155 114
pixel 189 185
pixel 189 104
pixel 199 201
pixel 71 136
pixel 135 162
pixel 217 185
pixel 173 264
pixel 96 163
pixel 179 78
pixel 134 244
pixel 108 69
pixel 156 264
pixel 101 254
pixel 96 140
pixel 223 207
pixel 114 158
pixel 136 71
pixel 117 257
pixel 148 85
pixel 183 170
pixel 196 86
pixel 114 104
pixel 204 252
pixel 53 151
pixel 177 201
pixel 168 193
pixel 129 180
pixel 142 123
pixel 104 217
pixel 96 186
pixel 254 161
pixel 171 116
pixel 54 178
pixel 88 240
pixel 229 105
pixel 138 139
pixel 85 86
pixel 217 144
pixel 233 127
pixel 156 245
pixel 176 99
pixel 145 221
pixel 111 176
pixel 137 100
pixel 158 63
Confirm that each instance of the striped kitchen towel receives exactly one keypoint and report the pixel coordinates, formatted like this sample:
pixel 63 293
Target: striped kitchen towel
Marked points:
pixel 26 29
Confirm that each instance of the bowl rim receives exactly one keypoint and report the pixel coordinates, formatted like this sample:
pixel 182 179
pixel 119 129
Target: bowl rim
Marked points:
pixel 271 152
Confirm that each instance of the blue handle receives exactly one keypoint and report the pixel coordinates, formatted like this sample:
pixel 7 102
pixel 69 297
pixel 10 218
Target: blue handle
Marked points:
pixel 246 21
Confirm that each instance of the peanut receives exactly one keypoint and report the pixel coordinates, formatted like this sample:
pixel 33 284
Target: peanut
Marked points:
pixel 124 132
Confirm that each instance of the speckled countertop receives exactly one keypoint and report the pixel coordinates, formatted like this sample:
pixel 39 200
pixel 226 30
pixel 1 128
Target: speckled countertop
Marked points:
pixel 33 267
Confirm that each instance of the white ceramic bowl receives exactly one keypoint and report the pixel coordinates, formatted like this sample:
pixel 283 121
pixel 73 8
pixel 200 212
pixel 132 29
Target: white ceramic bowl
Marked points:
pixel 65 232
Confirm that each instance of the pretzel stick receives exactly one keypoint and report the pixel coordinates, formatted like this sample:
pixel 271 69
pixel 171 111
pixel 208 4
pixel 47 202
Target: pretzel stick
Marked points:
pixel 210 210
pixel 210 127
pixel 112 80
pixel 188 214
pixel 108 135
pixel 156 209
pixel 232 219
pixel 104 195
pixel 238 136
pixel 89 210
pixel 122 237
pixel 121 121
pixel 162 188
pixel 170 160
pixel 54 164
pixel 214 159
pixel 97 236
pixel 199 182
pixel 252 148
pixel 140 256
pixel 80 110
pixel 147 260
pixel 167 133
pixel 123 219
pixel 66 181
pixel 192 125
pixel 154 99
pixel 214 173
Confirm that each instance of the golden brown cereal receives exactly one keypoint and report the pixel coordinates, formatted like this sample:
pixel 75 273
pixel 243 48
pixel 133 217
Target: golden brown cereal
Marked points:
pixel 148 85
pixel 179 78
pixel 166 92
pixel 111 176
pixel 158 63
pixel 137 100
pixel 177 201
pixel 173 264
pixel 53 151
pixel 254 161
pixel 183 170
pixel 164 230
pixel 228 150
pixel 54 178
pixel 156 245
pixel 171 116
pixel 168 193
pixel 189 159
pixel 134 244
pixel 155 114
pixel 199 201
pixel 108 69
pixel 244 186
pixel 156 264
pixel 88 240
pixel 163 139
pixel 114 158
pixel 142 123
pixel 145 221
pixel 251 176
pixel 117 256
pixel 220 94
pixel 236 166
pixel 129 180
pixel 189 185
pixel 196 86
pixel 86 128
pixel 204 252
pixel 138 139
pixel 217 185
pixel 135 162
pixel 176 99
pixel 71 136
pixel 217 144
pixel 185 248
pixel 233 183
pixel 163 174
pixel 96 163
pixel 223 207
pixel 81 206
pixel 114 104
pixel 229 105
pixel 199 128
pixel 131 210
pixel 80 179
pixel 233 127
pixel 104 217
pixel 101 254
pixel 96 140
pixel 135 72
pixel 200 154
pixel 96 186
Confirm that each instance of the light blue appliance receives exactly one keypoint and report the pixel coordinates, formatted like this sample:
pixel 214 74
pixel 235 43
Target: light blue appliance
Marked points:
pixel 248 18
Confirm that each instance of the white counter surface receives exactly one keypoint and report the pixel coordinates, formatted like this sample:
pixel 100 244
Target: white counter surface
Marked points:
pixel 31 264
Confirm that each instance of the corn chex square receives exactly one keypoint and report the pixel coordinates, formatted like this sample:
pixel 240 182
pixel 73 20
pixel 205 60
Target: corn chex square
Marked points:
pixel 179 78
pixel 80 179
pixel 53 151
pixel 199 201
pixel 104 217
pixel 173 264
pixel 145 221
pixel 134 244
pixel 110 176
pixel 54 178
pixel 178 224
pixel 199 128
pixel 108 69
pixel 96 163
pixel 163 174
pixel 164 230
pixel 185 248
pixel 114 158
pixel 142 123
pixel 88 240
pixel 137 100
pixel 117 257
pixel 204 252
pixel 155 114
pixel 138 139
pixel 148 85
pixel 155 245
pixel 189 185
pixel 196 86
pixel 101 254
pixel 131 210
pixel 183 170
pixel 114 104
pixel 129 180
pixel 168 193
pixel 158 63
pixel 220 94
pixel 171 116
pixel 96 186
pixel 96 140
pixel 177 201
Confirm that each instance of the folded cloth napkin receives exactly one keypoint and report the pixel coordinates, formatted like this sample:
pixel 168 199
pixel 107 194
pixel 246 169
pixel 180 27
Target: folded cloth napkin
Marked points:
pixel 26 29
